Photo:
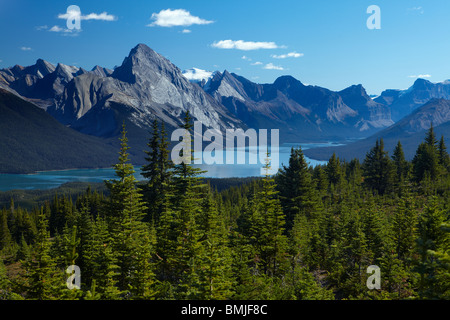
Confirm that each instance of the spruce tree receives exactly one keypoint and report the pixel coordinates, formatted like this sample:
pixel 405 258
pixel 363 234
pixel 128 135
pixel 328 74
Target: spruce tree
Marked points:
pixel 404 225
pixel 267 228
pixel 430 138
pixel 425 163
pixel 296 191
pixel 5 235
pixel 157 170
pixel 334 171
pixel 400 163
pixel 125 211
pixel 100 261
pixel 43 280
pixel 442 254
pixel 378 169
pixel 214 261
pixel 444 159
pixel 430 238
pixel 426 160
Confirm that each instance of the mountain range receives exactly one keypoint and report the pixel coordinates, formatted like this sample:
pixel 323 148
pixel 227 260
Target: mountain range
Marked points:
pixel 410 131
pixel 147 86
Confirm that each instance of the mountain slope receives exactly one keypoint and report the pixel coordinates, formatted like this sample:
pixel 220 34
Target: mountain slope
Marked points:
pixel 372 114
pixel 403 102
pixel 31 140
pixel 146 86
pixel 410 131
pixel 300 112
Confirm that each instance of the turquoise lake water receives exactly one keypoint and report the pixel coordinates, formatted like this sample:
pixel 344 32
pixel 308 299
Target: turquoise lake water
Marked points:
pixel 53 179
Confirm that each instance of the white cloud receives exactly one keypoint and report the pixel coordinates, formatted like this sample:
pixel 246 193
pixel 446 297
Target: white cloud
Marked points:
pixel 271 66
pixel 75 14
pixel 176 18
pixel 26 49
pixel 246 58
pixel 58 29
pixel 197 74
pixel 257 63
pixel 186 31
pixel 244 45
pixel 104 16
pixel 416 9
pixel 65 31
pixel 420 76
pixel 42 27
pixel 288 55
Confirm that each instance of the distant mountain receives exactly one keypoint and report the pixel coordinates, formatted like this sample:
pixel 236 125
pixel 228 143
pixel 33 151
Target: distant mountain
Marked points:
pixel 410 131
pixel 101 72
pixel 372 114
pixel 403 102
pixel 146 86
pixel 41 82
pixel 31 140
pixel 301 112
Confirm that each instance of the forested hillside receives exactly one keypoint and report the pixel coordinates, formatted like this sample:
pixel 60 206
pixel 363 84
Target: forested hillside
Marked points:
pixel 305 233
pixel 32 140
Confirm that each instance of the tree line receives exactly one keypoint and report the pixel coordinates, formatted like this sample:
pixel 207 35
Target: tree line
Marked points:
pixel 304 233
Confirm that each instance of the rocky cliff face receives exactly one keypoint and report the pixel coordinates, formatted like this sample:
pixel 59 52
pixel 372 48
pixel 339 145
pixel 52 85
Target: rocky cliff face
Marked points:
pixel 403 102
pixel 410 131
pixel 303 112
pixel 371 114
pixel 145 86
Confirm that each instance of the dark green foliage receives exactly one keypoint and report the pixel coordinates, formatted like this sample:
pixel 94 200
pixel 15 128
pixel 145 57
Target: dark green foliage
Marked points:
pixel 304 233
pixel 157 171
pixel 443 156
pixel 378 169
pixel 400 163
pixel 426 162
pixel 430 238
pixel 294 183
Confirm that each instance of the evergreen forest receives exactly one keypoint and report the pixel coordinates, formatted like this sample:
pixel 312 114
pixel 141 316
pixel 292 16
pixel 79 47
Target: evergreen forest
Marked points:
pixel 305 233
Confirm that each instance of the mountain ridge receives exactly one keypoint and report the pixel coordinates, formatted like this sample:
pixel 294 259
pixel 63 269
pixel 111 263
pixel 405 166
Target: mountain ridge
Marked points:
pixel 147 86
pixel 410 131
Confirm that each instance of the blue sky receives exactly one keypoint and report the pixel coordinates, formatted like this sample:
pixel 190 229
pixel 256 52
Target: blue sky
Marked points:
pixel 325 43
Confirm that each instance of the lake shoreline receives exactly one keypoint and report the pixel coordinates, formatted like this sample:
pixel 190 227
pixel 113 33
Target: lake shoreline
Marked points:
pixel 48 179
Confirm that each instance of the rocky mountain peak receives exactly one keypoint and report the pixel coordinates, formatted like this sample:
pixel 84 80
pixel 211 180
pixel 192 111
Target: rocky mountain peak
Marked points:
pixel 358 90
pixel 101 72
pixel 44 67
pixel 285 82
pixel 422 84
pixel 145 65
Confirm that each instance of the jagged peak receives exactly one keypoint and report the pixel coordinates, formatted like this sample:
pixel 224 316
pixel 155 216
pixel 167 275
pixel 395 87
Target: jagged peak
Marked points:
pixel 356 89
pixel 142 61
pixel 101 71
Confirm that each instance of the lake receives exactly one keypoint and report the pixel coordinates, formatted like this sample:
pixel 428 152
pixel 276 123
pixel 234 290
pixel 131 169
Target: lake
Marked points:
pixel 53 179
